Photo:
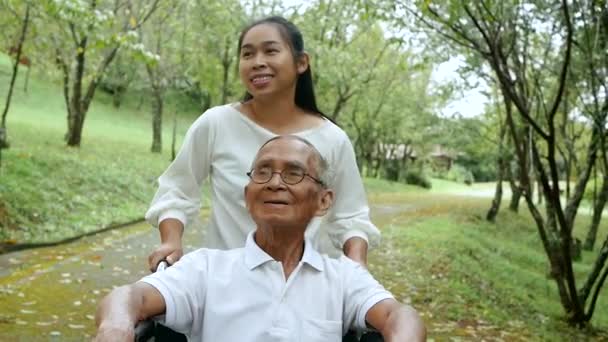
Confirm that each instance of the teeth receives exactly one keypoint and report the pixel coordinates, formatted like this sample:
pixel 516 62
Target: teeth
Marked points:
pixel 261 79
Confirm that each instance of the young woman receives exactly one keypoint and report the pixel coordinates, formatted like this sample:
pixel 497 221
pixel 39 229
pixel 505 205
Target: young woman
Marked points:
pixel 222 143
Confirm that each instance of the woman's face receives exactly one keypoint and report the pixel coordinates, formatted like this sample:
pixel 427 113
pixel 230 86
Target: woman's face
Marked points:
pixel 266 62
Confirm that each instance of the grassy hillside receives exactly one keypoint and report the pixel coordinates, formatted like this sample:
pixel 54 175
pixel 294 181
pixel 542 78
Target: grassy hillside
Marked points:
pixel 49 191
pixel 474 280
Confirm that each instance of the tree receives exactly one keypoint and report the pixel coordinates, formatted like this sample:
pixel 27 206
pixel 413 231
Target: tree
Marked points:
pixel 118 78
pixel 210 61
pixel 335 30
pixel 529 47
pixel 160 35
pixel 86 38
pixel 19 48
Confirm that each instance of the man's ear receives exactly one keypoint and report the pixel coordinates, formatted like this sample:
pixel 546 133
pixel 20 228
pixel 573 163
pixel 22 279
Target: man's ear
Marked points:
pixel 303 63
pixel 245 195
pixel 326 199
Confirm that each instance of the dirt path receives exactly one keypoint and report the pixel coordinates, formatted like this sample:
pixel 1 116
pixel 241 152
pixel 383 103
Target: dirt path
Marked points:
pixel 50 294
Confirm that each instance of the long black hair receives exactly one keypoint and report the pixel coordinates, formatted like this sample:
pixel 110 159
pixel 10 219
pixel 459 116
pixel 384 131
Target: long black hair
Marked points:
pixel 305 92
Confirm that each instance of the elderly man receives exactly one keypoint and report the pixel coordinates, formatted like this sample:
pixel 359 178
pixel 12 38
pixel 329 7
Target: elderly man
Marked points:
pixel 276 288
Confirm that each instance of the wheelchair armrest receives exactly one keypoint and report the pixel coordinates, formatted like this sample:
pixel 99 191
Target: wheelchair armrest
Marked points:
pixel 144 330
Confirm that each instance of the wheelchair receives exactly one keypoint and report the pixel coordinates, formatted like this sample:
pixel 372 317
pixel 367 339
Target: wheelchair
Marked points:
pixel 151 331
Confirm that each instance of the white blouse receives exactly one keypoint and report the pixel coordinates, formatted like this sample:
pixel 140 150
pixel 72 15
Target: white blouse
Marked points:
pixel 221 144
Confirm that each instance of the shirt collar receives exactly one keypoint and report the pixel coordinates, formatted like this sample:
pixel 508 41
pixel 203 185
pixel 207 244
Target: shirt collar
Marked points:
pixel 255 256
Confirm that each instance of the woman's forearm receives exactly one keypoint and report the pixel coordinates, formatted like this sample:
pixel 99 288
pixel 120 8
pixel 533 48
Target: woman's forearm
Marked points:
pixel 356 249
pixel 171 230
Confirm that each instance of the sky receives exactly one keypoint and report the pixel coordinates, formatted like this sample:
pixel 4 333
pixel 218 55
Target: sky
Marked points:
pixel 468 104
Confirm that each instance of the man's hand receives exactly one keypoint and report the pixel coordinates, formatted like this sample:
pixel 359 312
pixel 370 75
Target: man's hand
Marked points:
pixel 115 331
pixel 355 249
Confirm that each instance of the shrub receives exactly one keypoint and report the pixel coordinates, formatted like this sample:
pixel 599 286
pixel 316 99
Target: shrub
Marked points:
pixel 417 178
pixel 460 174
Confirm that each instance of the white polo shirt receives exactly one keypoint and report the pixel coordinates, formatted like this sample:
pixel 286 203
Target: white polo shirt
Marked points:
pixel 241 295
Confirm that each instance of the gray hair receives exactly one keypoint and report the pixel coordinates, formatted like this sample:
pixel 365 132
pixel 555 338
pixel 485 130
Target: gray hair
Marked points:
pixel 322 167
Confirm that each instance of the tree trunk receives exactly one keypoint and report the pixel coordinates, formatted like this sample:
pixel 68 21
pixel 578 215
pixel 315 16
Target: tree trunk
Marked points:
pixel 157 117
pixel 27 78
pixel 76 123
pixel 117 95
pixel 157 121
pixel 226 62
pixel 495 207
pixel 340 102
pixel 598 209
pixel 501 164
pixel 515 198
pixel 173 136
pixel 515 190
pixel 79 103
pixel 75 119
pixel 3 133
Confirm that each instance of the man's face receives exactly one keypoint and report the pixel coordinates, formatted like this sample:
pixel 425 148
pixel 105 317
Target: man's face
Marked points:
pixel 277 204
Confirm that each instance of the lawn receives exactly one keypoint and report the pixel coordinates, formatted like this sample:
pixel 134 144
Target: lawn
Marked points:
pixel 473 279
pixel 49 191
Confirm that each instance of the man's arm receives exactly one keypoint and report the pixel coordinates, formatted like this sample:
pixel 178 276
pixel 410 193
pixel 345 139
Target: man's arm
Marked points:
pixel 396 322
pixel 355 249
pixel 119 311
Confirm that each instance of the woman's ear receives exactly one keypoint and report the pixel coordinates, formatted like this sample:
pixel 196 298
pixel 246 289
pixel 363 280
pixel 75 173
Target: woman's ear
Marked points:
pixel 303 63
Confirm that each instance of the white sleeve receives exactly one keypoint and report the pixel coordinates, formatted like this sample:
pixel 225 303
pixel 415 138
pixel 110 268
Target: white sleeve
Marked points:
pixel 361 292
pixel 349 215
pixel 179 187
pixel 183 287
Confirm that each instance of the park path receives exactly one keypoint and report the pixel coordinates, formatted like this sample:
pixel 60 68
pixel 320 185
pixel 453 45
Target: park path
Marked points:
pixel 50 294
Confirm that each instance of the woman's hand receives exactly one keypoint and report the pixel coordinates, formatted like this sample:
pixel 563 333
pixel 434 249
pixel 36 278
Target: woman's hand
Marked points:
pixel 171 251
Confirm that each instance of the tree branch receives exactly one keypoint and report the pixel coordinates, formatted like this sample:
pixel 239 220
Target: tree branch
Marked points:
pixel 593 275
pixel 566 64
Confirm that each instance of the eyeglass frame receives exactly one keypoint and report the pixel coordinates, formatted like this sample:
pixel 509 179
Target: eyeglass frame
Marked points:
pixel 306 174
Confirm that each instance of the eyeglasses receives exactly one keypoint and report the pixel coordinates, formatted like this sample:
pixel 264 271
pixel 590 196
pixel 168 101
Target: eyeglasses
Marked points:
pixel 290 176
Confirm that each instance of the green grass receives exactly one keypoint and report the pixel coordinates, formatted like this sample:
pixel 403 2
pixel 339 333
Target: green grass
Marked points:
pixel 375 186
pixel 49 191
pixel 462 271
